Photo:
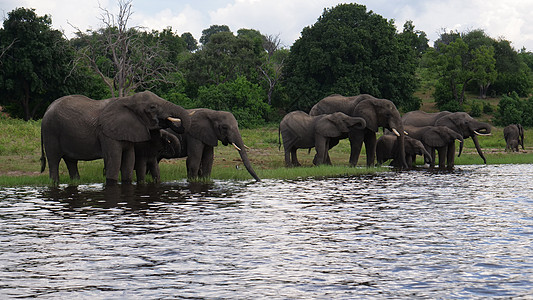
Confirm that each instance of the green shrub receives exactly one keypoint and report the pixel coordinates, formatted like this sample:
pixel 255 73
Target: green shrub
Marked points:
pixel 487 108
pixel 475 110
pixel 513 110
pixel 241 97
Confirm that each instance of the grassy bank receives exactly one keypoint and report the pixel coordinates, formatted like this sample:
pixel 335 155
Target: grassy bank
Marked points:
pixel 20 151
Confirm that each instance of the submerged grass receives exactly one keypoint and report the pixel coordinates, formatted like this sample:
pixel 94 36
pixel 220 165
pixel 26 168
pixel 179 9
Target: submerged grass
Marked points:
pixel 20 151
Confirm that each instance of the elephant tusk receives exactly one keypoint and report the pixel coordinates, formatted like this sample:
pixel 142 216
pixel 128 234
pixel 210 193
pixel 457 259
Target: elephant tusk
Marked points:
pixel 174 120
pixel 192 112
pixel 247 148
pixel 395 132
pixel 459 140
pixel 405 132
pixel 484 134
pixel 238 149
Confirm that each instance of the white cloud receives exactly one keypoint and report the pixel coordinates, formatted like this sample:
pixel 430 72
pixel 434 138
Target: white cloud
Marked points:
pixel 510 19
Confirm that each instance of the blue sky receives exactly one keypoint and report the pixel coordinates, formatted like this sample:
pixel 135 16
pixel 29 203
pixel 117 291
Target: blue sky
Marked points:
pixel 510 19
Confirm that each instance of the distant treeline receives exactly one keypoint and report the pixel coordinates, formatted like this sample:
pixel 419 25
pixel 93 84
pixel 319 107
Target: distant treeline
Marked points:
pixel 348 51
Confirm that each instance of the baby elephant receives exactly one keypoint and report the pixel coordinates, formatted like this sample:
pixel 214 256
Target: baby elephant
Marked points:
pixel 514 136
pixel 300 130
pixel 387 148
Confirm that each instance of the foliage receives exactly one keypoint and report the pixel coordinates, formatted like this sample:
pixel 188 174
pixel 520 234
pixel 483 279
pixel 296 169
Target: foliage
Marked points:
pixel 223 59
pixel 475 110
pixel 350 51
pixel 34 65
pixel 513 110
pixel 241 97
pixel 213 29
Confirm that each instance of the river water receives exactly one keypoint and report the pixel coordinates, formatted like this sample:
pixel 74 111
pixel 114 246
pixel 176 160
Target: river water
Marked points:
pixel 414 234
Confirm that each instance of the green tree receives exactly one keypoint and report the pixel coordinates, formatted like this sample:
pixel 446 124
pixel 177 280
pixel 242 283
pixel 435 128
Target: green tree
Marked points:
pixel 241 97
pixel 35 63
pixel 223 59
pixel 513 110
pixel 190 41
pixel 350 51
pixel 213 29
pixel 484 68
pixel 416 39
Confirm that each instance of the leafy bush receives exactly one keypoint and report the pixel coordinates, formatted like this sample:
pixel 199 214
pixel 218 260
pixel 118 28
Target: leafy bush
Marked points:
pixel 513 110
pixel 475 110
pixel 487 108
pixel 241 97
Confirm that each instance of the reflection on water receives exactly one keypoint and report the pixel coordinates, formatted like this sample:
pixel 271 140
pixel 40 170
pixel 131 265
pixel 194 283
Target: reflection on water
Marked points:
pixel 464 234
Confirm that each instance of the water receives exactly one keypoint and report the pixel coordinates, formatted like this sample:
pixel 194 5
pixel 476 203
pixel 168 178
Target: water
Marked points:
pixel 416 234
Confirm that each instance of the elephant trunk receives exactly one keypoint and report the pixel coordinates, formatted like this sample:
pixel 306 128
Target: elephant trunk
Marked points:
pixel 427 157
pixel 401 146
pixel 239 145
pixel 478 148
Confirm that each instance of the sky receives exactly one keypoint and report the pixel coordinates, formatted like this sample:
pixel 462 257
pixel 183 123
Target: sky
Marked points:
pixel 508 19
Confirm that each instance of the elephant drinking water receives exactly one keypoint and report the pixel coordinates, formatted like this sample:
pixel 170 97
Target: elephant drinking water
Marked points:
pixel 79 128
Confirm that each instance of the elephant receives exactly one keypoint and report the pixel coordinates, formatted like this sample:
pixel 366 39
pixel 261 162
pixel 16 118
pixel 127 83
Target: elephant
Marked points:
pixel 77 128
pixel 300 130
pixel 440 138
pixel 514 136
pixel 387 148
pixel 459 122
pixel 207 128
pixel 161 143
pixel 376 113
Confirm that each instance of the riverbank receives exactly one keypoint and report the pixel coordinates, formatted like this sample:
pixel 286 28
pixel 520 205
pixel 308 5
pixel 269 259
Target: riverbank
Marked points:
pixel 20 152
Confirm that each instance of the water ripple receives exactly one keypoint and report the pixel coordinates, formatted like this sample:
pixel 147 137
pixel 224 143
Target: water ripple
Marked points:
pixel 422 234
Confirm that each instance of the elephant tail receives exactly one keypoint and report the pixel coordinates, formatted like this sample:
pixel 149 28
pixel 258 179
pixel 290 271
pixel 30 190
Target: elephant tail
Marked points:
pixel 43 157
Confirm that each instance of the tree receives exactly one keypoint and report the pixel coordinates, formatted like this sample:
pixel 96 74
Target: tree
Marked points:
pixel 416 39
pixel 484 66
pixel 35 63
pixel 190 41
pixel 122 56
pixel 272 65
pixel 223 59
pixel 213 29
pixel 451 65
pixel 350 51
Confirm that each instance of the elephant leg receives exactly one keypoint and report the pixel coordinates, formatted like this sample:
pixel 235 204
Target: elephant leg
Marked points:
pixel 53 169
pixel 206 164
pixel 294 157
pixel 410 159
pixel 112 152
pixel 450 159
pixel 127 164
pixel 287 158
pixel 370 146
pixel 72 166
pixel 356 143
pixel 432 154
pixel 140 169
pixel 194 159
pixel 442 157
pixel 321 147
pixel 153 168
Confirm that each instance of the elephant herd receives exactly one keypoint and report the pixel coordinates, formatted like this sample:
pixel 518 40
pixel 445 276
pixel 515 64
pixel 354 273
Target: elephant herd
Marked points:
pixel 136 132
pixel 359 118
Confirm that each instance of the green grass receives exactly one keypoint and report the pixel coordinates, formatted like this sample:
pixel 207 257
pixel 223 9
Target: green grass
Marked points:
pixel 20 150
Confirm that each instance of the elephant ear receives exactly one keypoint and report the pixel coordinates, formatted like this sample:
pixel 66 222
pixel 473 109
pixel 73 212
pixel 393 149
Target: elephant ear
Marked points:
pixel 203 127
pixel 328 127
pixel 119 122
pixel 366 110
